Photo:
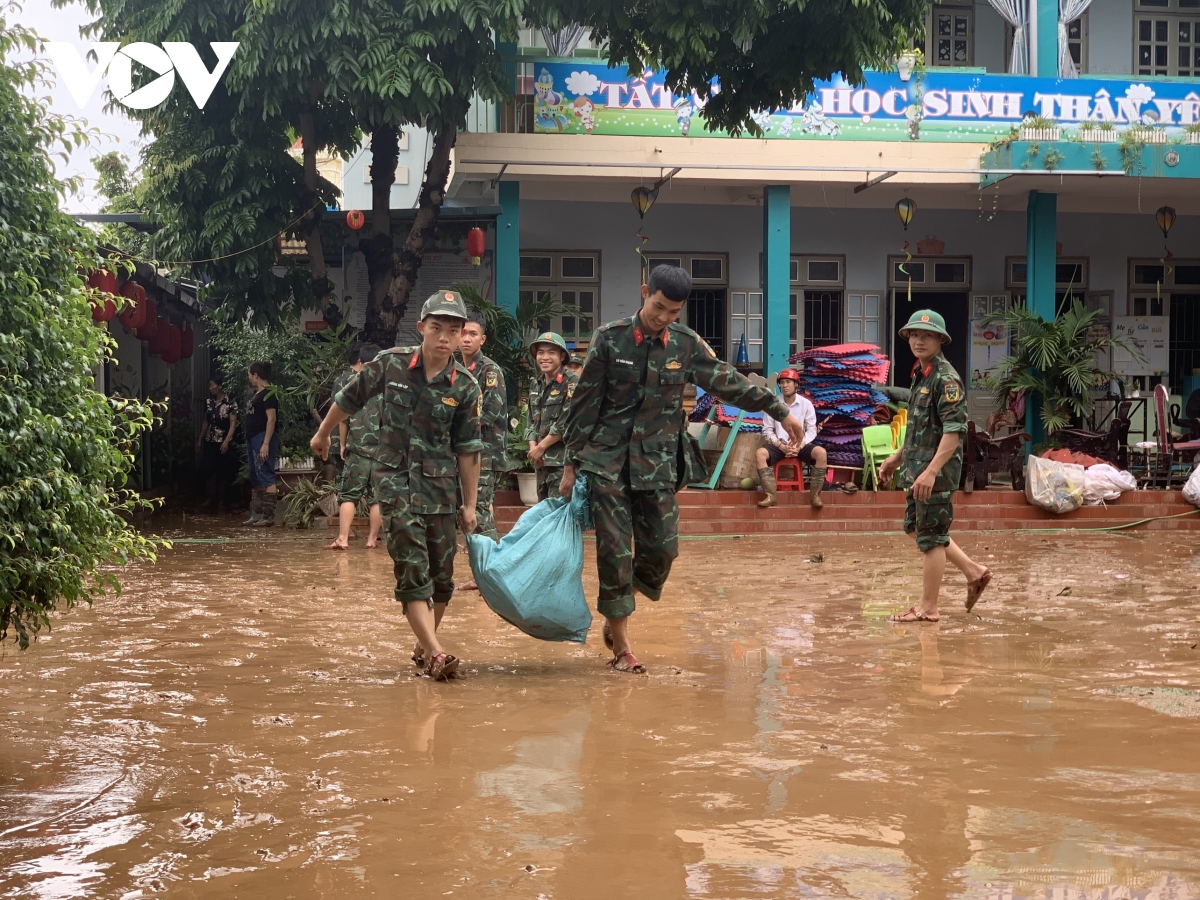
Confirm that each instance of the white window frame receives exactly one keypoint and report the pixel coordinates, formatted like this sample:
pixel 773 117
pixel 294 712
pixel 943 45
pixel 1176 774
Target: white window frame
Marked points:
pixel 859 327
pixel 561 288
pixel 1172 13
pixel 928 279
pixel 746 317
pixel 953 12
pixel 799 276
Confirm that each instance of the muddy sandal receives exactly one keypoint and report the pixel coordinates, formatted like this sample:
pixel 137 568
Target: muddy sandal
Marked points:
pixel 608 640
pixel 418 656
pixel 976 588
pixel 441 666
pixel 913 616
pixel 626 662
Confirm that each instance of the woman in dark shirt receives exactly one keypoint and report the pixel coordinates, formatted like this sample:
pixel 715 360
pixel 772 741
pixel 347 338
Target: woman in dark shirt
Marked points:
pixel 217 461
pixel 262 444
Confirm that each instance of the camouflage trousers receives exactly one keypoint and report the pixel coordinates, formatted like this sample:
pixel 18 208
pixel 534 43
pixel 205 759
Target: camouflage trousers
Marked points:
pixel 929 520
pixel 548 480
pixel 648 519
pixel 355 482
pixel 488 479
pixel 422 547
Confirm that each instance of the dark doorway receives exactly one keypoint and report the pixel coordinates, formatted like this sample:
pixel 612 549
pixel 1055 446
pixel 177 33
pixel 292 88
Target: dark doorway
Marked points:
pixel 953 307
pixel 706 317
pixel 1184 353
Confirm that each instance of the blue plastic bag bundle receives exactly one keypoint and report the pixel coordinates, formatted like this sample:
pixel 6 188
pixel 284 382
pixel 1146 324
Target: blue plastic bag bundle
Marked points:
pixel 533 578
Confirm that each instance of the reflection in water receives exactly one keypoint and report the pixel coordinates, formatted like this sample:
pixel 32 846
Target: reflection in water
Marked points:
pixel 275 742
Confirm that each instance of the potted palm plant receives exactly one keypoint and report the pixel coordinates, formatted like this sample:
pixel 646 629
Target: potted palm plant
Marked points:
pixel 1059 361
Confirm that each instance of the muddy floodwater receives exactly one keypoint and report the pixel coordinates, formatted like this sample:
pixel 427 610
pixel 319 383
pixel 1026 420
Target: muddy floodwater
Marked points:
pixel 244 721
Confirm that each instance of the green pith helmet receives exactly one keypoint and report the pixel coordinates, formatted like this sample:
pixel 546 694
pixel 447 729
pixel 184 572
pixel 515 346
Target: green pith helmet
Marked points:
pixel 926 320
pixel 444 303
pixel 549 337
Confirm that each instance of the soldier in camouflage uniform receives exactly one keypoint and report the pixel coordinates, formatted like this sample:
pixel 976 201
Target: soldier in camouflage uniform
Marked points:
pixel 493 423
pixel 930 464
pixel 624 432
pixel 428 440
pixel 549 401
pixel 358 441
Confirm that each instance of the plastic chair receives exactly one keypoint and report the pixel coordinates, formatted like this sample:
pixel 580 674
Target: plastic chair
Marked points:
pixel 877 445
pixel 795 482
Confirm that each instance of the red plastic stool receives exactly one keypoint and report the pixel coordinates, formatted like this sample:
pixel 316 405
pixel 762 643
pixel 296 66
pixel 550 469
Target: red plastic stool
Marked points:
pixel 796 480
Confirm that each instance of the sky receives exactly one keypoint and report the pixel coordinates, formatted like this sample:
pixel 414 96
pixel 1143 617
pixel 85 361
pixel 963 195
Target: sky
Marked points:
pixel 117 132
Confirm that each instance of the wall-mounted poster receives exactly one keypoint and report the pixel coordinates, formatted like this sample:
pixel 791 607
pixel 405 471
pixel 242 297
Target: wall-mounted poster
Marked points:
pixel 989 346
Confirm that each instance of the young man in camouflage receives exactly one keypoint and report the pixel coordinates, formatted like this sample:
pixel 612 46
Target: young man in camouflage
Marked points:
pixel 624 432
pixel 493 423
pixel 931 464
pixel 549 401
pixel 358 437
pixel 428 444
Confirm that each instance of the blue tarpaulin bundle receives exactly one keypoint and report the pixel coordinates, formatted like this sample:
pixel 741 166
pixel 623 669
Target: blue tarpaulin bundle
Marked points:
pixel 533 578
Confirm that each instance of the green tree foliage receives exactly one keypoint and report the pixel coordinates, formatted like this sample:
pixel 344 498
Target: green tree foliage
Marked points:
pixel 67 447
pixel 765 53
pixel 1057 361
pixel 116 185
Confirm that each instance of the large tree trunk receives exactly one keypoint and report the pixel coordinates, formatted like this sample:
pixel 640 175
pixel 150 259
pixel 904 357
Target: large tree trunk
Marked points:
pixel 311 200
pixel 381 321
pixel 384 314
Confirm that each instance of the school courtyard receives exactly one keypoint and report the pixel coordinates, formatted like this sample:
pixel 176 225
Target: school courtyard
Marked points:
pixel 243 721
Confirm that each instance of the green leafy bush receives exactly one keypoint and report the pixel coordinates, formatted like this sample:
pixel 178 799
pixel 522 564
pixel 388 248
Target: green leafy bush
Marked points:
pixel 64 498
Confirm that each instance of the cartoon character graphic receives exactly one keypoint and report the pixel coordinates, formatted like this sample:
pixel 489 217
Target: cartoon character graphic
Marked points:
pixel 762 119
pixel 684 110
pixel 785 127
pixel 548 111
pixel 814 121
pixel 585 111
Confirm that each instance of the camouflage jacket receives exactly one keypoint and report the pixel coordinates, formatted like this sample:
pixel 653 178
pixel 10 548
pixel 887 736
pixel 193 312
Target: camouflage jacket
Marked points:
pixel 548 408
pixel 628 406
pixel 938 406
pixel 494 420
pixel 424 425
pixel 362 436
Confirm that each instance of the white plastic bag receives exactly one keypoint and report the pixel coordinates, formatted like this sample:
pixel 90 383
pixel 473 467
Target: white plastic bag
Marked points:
pixel 1191 490
pixel 1104 482
pixel 1055 486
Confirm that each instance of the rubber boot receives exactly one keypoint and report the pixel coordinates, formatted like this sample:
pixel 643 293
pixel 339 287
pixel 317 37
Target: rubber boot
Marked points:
pixel 767 477
pixel 816 482
pixel 255 507
pixel 267 509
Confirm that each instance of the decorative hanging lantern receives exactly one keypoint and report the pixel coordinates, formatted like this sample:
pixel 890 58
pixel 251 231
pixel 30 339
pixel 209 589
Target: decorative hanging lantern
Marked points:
pixel 643 198
pixel 905 210
pixel 158 343
pixel 1165 218
pixel 148 328
pixel 476 244
pixel 104 309
pixel 188 345
pixel 172 345
pixel 103 280
pixel 355 219
pixel 133 316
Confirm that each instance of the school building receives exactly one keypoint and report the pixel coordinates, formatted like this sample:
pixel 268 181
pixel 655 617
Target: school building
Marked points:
pixel 1038 149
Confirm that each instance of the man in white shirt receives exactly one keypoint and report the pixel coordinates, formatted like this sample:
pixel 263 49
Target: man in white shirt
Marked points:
pixel 778 446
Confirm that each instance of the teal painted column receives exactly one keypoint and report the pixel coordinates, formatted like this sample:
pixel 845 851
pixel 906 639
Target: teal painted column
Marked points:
pixel 1044 18
pixel 777 255
pixel 1041 258
pixel 508 246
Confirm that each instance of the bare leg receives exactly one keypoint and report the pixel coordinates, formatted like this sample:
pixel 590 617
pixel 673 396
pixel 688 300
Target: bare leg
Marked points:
pixel 424 625
pixel 933 568
pixel 959 559
pixel 439 610
pixel 761 456
pixel 619 628
pixel 345 521
pixel 376 524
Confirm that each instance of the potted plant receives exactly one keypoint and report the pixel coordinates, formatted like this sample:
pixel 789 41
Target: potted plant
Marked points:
pixel 1057 360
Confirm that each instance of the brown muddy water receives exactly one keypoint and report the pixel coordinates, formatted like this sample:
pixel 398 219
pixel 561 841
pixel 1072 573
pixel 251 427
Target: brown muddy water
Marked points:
pixel 243 721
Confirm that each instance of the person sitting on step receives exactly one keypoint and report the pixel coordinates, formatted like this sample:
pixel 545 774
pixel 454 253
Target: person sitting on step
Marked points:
pixel 777 446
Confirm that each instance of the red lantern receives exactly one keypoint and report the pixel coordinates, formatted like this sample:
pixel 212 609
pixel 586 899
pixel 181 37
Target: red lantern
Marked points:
pixel 188 345
pixel 103 280
pixel 355 219
pixel 476 245
pixel 172 346
pixel 104 310
pixel 147 329
pixel 158 343
pixel 133 316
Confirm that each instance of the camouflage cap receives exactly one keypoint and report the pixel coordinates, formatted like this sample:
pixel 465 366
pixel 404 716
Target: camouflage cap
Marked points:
pixel 926 320
pixel 445 303
pixel 549 337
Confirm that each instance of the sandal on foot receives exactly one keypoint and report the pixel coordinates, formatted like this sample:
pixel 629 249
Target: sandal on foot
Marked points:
pixel 608 641
pixel 334 545
pixel 441 666
pixel 913 616
pixel 418 656
pixel 626 662
pixel 976 588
